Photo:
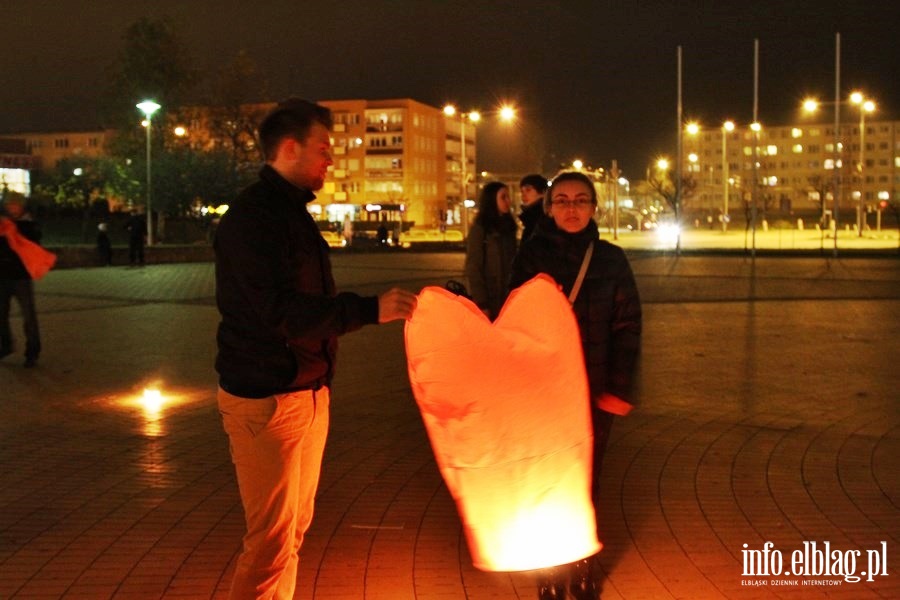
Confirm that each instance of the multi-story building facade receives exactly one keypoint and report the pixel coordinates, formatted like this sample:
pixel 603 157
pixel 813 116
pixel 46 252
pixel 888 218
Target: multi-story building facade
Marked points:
pixel 795 168
pixel 48 149
pixel 395 160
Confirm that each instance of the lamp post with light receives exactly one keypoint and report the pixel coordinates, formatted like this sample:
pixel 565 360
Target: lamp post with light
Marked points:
pixel 507 113
pixel 811 105
pixel 148 107
pixel 727 127
pixel 865 105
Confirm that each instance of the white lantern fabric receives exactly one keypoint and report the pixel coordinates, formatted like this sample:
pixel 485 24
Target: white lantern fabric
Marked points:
pixel 506 407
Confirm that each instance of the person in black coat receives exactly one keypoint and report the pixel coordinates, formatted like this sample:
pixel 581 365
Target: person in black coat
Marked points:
pixel 608 310
pixel 137 231
pixel 15 282
pixel 104 246
pixel 533 188
pixel 490 249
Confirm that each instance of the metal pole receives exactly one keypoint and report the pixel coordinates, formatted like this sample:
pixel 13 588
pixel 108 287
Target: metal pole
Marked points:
pixel 679 160
pixel 465 186
pixel 837 138
pixel 755 188
pixel 614 173
pixel 724 179
pixel 149 189
pixel 862 181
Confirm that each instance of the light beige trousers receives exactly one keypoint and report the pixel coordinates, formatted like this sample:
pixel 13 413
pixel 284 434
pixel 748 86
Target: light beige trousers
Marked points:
pixel 276 445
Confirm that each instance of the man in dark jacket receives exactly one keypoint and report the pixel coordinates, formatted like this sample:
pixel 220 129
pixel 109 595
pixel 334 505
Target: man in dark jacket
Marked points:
pixel 15 282
pixel 277 342
pixel 532 187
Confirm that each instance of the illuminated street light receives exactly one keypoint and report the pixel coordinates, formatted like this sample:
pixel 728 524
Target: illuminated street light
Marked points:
pixel 180 131
pixel 727 127
pixel 577 164
pixel 148 107
pixel 865 105
pixel 507 113
pixel 692 128
pixel 662 164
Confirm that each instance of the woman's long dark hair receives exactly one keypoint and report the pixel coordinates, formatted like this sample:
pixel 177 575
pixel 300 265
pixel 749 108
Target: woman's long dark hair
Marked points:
pixel 488 216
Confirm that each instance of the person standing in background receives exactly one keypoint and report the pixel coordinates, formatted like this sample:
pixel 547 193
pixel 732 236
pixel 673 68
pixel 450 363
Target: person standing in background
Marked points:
pixel 490 249
pixel 104 247
pixel 137 230
pixel 15 281
pixel 532 187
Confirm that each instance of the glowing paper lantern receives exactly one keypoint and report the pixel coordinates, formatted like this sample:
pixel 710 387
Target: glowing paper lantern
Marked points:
pixel 506 408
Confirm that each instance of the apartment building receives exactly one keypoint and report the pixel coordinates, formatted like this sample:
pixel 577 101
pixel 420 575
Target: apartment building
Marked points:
pixel 795 167
pixel 48 149
pixel 395 160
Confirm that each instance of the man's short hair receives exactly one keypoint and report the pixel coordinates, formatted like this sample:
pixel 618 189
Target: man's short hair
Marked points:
pixel 291 118
pixel 536 181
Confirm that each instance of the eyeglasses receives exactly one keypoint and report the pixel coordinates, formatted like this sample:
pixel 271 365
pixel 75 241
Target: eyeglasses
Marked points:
pixel 579 204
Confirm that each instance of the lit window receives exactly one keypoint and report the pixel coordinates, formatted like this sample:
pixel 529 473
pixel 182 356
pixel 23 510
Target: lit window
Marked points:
pixel 829 164
pixel 796 132
pixel 797 148
pixel 772 150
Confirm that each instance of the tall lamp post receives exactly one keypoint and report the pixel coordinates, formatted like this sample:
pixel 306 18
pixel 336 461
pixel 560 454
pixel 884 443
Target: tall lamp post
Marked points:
pixel 507 113
pixel 474 117
pixel 148 107
pixel 727 127
pixel 865 105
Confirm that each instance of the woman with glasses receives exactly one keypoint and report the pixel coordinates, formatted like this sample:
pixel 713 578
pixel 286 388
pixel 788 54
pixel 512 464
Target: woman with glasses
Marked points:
pixel 608 311
pixel 490 249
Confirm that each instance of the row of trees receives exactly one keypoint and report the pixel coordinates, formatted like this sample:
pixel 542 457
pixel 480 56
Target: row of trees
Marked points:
pixel 154 63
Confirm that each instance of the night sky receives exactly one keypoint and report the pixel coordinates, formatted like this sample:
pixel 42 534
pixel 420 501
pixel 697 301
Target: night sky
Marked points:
pixel 594 80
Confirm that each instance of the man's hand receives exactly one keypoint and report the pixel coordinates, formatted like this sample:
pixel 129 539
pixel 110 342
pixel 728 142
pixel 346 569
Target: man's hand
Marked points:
pixel 396 304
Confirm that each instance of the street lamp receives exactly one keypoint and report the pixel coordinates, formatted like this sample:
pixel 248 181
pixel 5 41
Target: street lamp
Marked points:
pixel 507 114
pixel 148 107
pixel 727 127
pixel 472 116
pixel 865 105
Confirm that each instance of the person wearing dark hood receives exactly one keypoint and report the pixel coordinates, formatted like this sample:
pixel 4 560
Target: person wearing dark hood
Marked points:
pixel 277 343
pixel 532 187
pixel 598 279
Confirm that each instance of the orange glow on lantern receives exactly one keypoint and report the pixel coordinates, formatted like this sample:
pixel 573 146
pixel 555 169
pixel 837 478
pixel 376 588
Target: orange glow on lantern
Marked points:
pixel 506 406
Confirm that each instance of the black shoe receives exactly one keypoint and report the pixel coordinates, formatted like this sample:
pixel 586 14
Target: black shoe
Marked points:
pixel 30 362
pixel 583 585
pixel 552 591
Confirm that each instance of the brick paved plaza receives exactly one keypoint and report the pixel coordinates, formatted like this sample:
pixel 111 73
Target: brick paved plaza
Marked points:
pixel 770 413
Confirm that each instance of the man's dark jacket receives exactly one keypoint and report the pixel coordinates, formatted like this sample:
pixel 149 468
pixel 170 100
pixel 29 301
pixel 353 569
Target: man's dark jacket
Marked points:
pixel 280 312
pixel 11 266
pixel 530 216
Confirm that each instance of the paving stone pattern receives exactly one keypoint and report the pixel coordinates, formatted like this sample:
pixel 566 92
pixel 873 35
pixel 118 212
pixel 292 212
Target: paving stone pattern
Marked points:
pixel 769 414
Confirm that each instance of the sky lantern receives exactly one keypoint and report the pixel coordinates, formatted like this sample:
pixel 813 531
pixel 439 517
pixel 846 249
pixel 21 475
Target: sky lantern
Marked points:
pixel 506 408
